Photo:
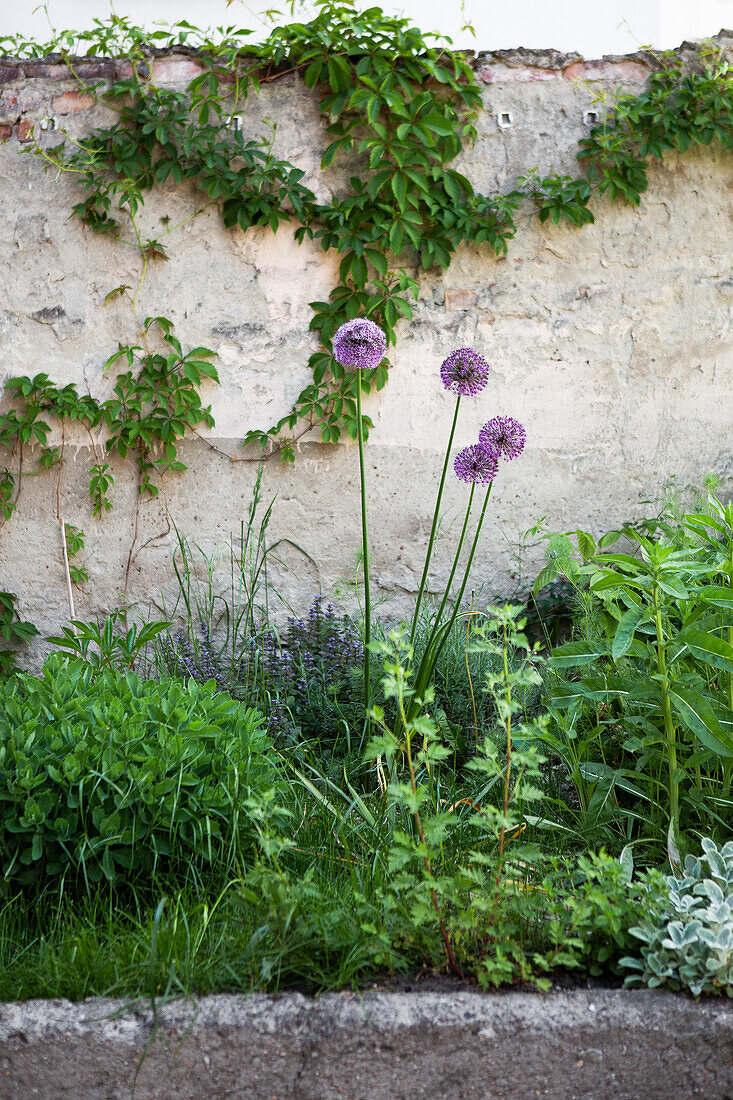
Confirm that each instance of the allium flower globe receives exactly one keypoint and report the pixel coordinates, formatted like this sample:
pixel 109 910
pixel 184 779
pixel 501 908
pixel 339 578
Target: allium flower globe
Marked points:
pixel 465 372
pixel 505 434
pixel 477 464
pixel 359 344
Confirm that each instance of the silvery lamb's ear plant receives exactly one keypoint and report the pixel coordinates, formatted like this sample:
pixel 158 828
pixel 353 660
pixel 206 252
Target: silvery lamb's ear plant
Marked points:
pixel 692 947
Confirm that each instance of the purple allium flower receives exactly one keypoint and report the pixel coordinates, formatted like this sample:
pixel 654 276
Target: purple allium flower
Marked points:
pixel 478 463
pixel 505 434
pixel 465 372
pixel 359 344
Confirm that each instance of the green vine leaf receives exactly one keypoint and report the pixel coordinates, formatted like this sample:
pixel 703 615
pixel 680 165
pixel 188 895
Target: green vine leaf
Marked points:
pixel 403 104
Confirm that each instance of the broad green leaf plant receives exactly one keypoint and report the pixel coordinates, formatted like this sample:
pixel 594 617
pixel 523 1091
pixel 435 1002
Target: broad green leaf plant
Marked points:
pixel 654 673
pixel 105 776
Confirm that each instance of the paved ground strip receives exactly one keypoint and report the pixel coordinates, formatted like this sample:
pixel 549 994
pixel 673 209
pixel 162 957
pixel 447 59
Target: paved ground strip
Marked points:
pixel 600 1044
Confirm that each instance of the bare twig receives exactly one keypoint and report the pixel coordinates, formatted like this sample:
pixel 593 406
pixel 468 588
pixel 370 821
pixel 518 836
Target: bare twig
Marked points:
pixel 134 530
pixel 62 529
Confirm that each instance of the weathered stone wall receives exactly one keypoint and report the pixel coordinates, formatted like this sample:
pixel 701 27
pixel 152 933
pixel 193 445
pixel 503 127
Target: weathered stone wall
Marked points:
pixel 613 344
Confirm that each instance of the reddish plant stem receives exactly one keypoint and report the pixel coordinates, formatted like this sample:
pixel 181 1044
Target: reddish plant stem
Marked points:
pixel 436 905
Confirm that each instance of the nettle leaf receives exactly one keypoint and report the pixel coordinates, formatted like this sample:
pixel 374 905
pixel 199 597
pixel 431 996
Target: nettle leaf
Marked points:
pixel 586 544
pixel 608 581
pixel 545 576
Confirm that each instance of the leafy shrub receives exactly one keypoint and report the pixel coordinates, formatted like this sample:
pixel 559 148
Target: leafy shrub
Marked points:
pixel 369 900
pixel 589 904
pixel 104 775
pixel 691 946
pixel 437 868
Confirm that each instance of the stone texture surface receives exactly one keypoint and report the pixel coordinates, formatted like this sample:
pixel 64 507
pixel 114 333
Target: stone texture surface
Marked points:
pixel 614 344
pixel 71 102
pixel 608 1045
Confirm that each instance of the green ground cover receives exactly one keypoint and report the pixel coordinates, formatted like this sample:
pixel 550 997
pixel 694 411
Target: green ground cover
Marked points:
pixel 222 817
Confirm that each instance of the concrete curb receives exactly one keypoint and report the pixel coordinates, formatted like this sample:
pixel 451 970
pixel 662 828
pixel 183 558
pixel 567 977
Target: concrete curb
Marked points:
pixel 599 1044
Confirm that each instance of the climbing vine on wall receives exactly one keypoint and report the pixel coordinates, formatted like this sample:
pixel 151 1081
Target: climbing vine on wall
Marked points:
pixel 155 401
pixel 397 107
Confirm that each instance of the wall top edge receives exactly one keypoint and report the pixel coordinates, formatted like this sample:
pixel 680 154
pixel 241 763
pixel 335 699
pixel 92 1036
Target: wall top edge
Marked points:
pixel 491 65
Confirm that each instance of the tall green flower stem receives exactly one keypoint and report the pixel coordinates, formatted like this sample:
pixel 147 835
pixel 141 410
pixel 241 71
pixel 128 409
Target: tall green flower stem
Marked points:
pixel 434 528
pixel 454 567
pixel 439 634
pixel 728 571
pixel 669 726
pixel 364 552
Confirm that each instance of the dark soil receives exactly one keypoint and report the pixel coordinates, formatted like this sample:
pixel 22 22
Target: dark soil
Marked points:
pixel 432 981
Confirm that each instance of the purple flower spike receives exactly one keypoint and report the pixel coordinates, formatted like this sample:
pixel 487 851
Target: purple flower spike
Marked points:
pixel 359 344
pixel 478 463
pixel 505 434
pixel 465 372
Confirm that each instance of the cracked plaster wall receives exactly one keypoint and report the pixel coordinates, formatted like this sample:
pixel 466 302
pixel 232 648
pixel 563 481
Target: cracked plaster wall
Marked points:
pixel 613 344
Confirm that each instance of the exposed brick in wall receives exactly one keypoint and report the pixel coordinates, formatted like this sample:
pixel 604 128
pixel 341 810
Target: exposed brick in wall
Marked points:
pixel 460 298
pixel 71 102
